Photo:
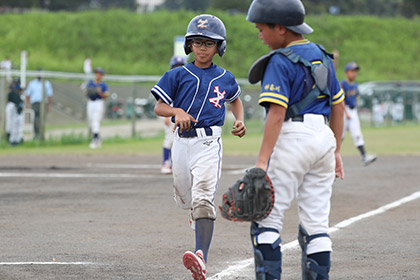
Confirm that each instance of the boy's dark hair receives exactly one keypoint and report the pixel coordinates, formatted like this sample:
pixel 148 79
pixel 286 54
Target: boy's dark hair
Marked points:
pixel 271 25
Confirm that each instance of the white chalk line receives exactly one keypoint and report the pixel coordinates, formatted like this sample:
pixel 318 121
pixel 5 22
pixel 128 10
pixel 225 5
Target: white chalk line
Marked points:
pixel 75 175
pixel 241 167
pixel 47 263
pixel 239 266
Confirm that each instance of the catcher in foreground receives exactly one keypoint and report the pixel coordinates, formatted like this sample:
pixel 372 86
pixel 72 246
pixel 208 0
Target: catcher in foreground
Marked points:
pixel 299 151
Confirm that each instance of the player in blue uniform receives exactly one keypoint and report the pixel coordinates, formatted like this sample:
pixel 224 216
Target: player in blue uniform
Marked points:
pixel 351 120
pixel 97 92
pixel 198 92
pixel 299 151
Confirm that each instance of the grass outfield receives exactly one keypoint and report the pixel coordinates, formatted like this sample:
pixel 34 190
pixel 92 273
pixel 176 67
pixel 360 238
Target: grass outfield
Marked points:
pixel 401 140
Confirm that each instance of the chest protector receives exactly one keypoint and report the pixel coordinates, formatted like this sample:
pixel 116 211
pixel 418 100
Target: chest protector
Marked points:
pixel 317 71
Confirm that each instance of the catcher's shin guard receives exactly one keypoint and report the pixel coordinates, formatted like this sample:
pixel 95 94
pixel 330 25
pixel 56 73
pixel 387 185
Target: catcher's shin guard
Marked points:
pixel 267 257
pixel 311 270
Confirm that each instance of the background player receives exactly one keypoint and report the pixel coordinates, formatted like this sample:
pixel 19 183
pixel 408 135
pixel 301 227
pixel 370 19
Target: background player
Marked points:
pixel 176 61
pixel 34 98
pixel 351 120
pixel 300 152
pixel 14 116
pixel 97 92
pixel 198 92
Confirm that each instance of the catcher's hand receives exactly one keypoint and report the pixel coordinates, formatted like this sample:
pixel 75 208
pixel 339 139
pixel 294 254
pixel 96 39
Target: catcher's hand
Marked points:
pixel 249 199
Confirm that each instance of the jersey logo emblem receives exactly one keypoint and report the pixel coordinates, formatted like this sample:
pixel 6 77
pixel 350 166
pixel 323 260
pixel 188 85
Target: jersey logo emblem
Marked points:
pixel 208 143
pixel 202 23
pixel 216 100
pixel 272 88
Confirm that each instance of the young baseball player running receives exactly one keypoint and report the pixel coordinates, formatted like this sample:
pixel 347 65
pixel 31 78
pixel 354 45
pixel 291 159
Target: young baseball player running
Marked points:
pixel 351 120
pixel 176 61
pixel 299 151
pixel 97 92
pixel 198 92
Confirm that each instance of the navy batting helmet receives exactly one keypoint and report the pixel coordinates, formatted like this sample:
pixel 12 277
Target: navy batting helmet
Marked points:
pixel 289 13
pixel 177 60
pixel 351 66
pixel 208 27
pixel 99 70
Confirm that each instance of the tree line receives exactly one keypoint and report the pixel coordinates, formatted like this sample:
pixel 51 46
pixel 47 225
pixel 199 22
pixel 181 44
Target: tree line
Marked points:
pixel 389 8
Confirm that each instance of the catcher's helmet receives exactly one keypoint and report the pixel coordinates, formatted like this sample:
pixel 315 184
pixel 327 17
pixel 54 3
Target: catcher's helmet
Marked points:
pixel 289 13
pixel 208 27
pixel 177 60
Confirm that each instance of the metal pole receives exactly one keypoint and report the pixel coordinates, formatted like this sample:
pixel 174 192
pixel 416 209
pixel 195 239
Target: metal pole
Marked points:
pixel 23 63
pixel 3 107
pixel 43 110
pixel 133 112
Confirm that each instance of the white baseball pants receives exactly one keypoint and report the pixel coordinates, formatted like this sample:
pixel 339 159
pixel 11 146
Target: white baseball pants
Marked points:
pixel 10 107
pixel 196 168
pixel 14 123
pixel 353 126
pixel 95 112
pixel 302 165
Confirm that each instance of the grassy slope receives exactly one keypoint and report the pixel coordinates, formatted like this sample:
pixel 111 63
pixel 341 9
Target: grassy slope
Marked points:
pixel 128 43
pixel 401 140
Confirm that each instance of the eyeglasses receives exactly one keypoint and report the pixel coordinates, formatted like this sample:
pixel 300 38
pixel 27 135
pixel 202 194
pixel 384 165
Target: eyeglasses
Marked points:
pixel 208 44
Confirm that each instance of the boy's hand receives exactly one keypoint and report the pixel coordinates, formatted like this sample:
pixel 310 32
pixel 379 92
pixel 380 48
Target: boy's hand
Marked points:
pixel 339 169
pixel 183 120
pixel 348 116
pixel 239 129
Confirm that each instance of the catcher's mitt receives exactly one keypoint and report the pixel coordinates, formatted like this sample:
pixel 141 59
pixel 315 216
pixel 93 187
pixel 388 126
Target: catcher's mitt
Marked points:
pixel 91 91
pixel 249 199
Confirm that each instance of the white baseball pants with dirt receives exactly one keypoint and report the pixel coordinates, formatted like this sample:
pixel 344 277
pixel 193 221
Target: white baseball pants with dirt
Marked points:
pixel 196 168
pixel 353 126
pixel 95 112
pixel 302 166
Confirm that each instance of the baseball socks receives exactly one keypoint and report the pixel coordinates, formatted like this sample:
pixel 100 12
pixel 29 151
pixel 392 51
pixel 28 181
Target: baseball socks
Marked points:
pixel 166 155
pixel 362 150
pixel 203 234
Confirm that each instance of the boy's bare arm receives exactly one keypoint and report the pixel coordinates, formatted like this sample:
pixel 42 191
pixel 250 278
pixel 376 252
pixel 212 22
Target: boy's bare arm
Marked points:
pixel 273 124
pixel 182 119
pixel 239 128
pixel 336 124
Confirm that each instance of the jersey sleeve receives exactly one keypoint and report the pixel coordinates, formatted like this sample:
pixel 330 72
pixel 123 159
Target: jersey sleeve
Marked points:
pixel 234 91
pixel 165 88
pixel 337 93
pixel 104 88
pixel 275 85
pixel 29 89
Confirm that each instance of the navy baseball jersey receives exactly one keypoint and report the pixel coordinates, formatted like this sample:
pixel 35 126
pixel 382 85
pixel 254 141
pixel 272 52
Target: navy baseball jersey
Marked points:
pixel 284 81
pixel 101 85
pixel 199 92
pixel 351 91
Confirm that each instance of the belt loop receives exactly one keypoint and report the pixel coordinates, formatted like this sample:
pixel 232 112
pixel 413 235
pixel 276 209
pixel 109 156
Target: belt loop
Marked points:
pixel 200 132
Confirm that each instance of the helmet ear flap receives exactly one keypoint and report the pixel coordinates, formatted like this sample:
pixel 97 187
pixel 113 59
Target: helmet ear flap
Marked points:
pixel 222 48
pixel 187 48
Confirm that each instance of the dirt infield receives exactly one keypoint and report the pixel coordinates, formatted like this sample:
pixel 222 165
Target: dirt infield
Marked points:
pixel 113 217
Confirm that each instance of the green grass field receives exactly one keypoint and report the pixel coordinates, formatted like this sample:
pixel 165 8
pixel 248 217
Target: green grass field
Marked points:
pixel 397 140
pixel 128 43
